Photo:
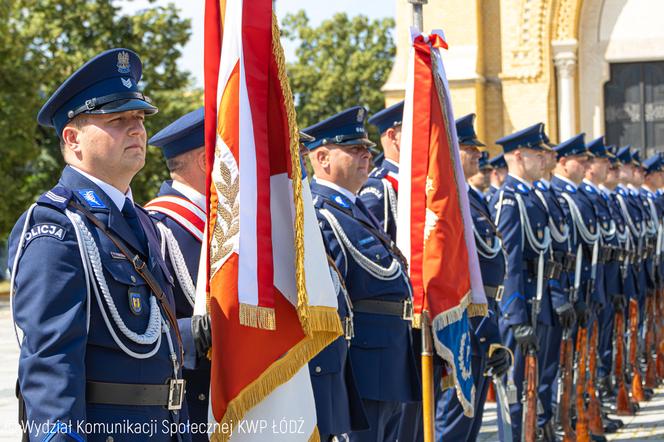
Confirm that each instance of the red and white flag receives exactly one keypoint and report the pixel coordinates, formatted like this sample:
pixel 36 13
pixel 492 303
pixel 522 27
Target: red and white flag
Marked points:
pixel 267 285
pixel 434 224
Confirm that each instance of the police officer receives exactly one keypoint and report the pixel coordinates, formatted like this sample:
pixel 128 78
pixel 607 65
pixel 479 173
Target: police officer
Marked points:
pixel 379 193
pixel 480 180
pixel 373 271
pixel 101 348
pixel 180 213
pixel 451 423
pixel 560 282
pixel 497 176
pixel 523 221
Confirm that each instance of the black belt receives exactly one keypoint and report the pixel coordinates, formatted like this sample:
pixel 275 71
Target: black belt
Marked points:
pixel 494 292
pixel 566 260
pixel 170 395
pixel 552 269
pixel 605 254
pixel 403 309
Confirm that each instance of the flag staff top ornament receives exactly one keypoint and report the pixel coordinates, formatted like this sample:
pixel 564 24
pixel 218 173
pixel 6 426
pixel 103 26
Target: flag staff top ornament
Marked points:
pixel 434 222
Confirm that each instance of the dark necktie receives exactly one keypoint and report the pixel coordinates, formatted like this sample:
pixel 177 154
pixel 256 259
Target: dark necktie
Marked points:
pixel 129 213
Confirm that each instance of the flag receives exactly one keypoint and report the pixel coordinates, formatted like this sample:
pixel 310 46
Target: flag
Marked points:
pixel 267 285
pixel 434 222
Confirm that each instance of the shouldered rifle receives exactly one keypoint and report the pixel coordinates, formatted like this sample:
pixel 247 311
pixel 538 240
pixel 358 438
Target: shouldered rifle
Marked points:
pixel 624 407
pixel 595 424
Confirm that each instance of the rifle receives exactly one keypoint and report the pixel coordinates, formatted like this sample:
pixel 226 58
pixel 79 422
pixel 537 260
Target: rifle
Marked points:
pixel 651 365
pixel 529 430
pixel 566 385
pixel 582 431
pixel 637 382
pixel 594 408
pixel 624 407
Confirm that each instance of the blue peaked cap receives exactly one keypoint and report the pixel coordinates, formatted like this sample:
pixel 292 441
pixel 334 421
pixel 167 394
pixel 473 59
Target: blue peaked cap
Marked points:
pixel 184 134
pixel 498 162
pixel 345 129
pixel 388 117
pixel 625 155
pixel 636 158
pixel 599 149
pixel 532 137
pixel 107 83
pixel 573 146
pixel 484 160
pixel 466 131
pixel 653 164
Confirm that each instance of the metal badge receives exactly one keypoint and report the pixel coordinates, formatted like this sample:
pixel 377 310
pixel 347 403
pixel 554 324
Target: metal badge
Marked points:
pixel 135 302
pixel 349 329
pixel 123 62
pixel 176 390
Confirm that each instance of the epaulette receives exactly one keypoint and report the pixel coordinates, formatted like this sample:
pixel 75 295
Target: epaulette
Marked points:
pixel 569 188
pixel 58 198
pixel 540 185
pixel 588 188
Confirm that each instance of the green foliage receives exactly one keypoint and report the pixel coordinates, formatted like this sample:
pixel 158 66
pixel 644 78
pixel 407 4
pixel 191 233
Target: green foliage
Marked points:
pixel 341 63
pixel 42 42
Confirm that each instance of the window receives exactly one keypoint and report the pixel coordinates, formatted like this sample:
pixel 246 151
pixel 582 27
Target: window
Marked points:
pixel 634 106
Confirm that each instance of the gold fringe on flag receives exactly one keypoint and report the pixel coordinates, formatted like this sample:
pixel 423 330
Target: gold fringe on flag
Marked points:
pixel 257 317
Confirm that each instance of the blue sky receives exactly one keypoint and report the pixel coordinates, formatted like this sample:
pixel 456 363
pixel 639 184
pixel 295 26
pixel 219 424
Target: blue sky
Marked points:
pixel 317 11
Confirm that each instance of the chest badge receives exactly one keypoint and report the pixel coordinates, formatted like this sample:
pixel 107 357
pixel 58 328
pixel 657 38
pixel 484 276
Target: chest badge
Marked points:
pixel 135 302
pixel 341 201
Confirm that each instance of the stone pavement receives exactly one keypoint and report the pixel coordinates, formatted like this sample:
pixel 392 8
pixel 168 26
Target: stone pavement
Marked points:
pixel 647 425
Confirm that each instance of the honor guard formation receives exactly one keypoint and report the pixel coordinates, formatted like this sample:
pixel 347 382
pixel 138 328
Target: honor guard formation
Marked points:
pixel 568 237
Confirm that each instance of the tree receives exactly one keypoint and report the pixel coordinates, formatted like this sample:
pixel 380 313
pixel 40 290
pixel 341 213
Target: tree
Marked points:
pixel 341 63
pixel 42 42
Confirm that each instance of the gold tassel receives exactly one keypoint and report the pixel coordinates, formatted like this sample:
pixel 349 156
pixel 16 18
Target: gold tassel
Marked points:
pixel 477 310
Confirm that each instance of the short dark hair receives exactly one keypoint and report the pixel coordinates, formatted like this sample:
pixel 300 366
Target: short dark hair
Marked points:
pixel 78 122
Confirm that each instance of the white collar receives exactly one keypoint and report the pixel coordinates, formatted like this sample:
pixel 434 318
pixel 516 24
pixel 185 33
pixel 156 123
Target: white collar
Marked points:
pixel 546 182
pixel 632 187
pixel 192 195
pixel 604 189
pixel 648 189
pixel 391 162
pixel 526 183
pixel 567 180
pixel 475 189
pixel 590 183
pixel 112 192
pixel 345 192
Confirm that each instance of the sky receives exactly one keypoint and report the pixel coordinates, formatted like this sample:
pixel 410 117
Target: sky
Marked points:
pixel 317 11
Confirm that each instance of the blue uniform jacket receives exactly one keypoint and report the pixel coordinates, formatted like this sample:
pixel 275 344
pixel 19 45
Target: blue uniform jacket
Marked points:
pixel 562 221
pixel 376 196
pixel 634 219
pixel 485 328
pixel 59 353
pixel 520 283
pixel 652 217
pixel 381 351
pixel 196 370
pixel 589 219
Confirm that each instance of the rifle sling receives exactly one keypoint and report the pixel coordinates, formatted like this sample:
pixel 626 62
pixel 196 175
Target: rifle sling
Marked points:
pixel 139 266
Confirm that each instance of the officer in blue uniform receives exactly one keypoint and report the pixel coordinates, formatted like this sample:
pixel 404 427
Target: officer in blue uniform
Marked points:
pixel 100 347
pixel 561 274
pixel 527 244
pixel 451 423
pixel 180 208
pixel 480 180
pixel 497 177
pixel 379 193
pixel 372 269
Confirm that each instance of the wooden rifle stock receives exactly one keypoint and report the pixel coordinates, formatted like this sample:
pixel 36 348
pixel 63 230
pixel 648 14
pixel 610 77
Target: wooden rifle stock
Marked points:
pixel 623 405
pixel 567 377
pixel 529 427
pixel 582 432
pixel 651 364
pixel 594 408
pixel 637 381
pixel 660 332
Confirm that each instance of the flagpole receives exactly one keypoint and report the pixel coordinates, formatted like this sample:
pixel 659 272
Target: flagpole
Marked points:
pixel 427 378
pixel 418 18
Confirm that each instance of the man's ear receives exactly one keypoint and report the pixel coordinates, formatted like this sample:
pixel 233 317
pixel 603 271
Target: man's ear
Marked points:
pixel 70 137
pixel 200 160
pixel 321 156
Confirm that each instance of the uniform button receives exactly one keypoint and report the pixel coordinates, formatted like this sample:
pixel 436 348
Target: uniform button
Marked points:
pixel 133 278
pixel 318 369
pixel 482 339
pixel 109 439
pixel 201 397
pixel 377 257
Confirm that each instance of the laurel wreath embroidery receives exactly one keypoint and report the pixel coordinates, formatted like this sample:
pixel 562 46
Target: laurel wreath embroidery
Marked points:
pixel 464 355
pixel 227 226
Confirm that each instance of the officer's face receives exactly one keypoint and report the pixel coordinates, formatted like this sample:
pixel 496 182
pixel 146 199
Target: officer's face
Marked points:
pixel 575 166
pixel 111 146
pixel 626 173
pixel 612 177
pixel 349 165
pixel 639 175
pixel 599 168
pixel 470 159
pixel 533 163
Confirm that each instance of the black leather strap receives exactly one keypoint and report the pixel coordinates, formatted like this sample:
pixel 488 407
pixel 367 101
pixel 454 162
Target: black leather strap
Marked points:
pixel 128 394
pixel 94 103
pixel 379 307
pixel 139 266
